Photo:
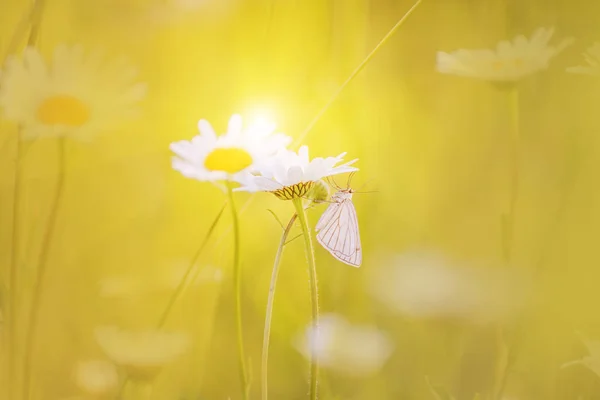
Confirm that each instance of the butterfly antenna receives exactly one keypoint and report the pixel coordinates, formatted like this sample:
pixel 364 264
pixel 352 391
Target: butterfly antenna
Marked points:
pixel 335 184
pixel 350 179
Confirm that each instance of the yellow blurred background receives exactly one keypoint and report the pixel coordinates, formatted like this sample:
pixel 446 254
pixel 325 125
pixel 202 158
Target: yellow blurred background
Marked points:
pixel 433 148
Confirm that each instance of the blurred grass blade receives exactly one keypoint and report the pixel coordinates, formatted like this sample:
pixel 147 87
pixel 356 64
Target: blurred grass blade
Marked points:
pixel 292 239
pixel 276 218
pixel 184 281
pixel 353 75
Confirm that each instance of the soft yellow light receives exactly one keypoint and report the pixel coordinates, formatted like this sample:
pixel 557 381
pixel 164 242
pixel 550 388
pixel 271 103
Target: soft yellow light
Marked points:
pixel 260 120
pixel 262 123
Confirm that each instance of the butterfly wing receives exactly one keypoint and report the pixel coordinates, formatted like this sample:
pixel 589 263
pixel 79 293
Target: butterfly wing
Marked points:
pixel 338 232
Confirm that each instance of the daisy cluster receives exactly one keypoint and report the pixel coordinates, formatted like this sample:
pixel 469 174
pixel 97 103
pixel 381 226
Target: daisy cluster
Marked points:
pixel 255 157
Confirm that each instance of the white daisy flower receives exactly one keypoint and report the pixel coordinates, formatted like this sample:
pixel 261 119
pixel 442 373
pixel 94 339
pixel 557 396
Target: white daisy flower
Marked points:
pixel 208 157
pixel 290 175
pixel 350 349
pixel 508 63
pixel 141 353
pixel 97 377
pixel 73 95
pixel 592 58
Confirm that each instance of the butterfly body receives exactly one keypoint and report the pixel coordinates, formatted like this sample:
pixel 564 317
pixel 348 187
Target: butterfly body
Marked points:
pixel 337 229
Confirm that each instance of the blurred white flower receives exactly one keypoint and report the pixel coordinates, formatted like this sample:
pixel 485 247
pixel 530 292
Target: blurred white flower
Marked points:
pixel 290 175
pixel 510 61
pixel 592 59
pixel 141 353
pixel 350 349
pixel 73 95
pixel 97 377
pixel 208 157
pixel 426 284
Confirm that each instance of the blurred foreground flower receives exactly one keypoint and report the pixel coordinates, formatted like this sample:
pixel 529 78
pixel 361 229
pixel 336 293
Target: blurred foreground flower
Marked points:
pixel 350 349
pixel 141 353
pixel 208 157
pixel 427 285
pixel 74 95
pixel 508 63
pixel 97 378
pixel 290 175
pixel 592 59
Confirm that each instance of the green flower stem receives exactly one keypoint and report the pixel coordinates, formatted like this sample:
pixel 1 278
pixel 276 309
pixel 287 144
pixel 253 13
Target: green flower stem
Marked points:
pixel 42 270
pixel 237 279
pixel 314 294
pixel 11 336
pixel 33 19
pixel 269 313
pixel 354 73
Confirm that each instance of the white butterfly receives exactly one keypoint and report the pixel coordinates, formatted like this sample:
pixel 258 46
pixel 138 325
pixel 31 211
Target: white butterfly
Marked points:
pixel 337 229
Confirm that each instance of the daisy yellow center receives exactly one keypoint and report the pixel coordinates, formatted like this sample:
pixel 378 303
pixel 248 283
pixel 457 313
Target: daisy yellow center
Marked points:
pixel 63 110
pixel 230 160
pixel 294 191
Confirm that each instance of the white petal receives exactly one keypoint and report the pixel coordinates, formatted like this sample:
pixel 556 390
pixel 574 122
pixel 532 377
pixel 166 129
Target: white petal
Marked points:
pixel 294 175
pixel 206 129
pixel 235 124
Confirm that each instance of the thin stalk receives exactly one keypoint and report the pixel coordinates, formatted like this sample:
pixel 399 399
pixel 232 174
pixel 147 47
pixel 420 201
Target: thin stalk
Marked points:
pixel 354 73
pixel 12 274
pixel 269 313
pixel 34 19
pixel 508 232
pixel 42 270
pixel 314 295
pixel 237 279
pixel 185 280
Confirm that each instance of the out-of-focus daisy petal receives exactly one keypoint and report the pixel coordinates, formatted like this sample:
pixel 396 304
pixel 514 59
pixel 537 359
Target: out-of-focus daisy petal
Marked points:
pixel 350 349
pixel 510 62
